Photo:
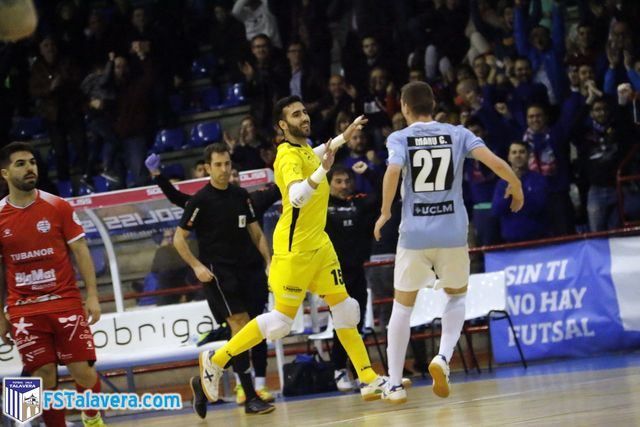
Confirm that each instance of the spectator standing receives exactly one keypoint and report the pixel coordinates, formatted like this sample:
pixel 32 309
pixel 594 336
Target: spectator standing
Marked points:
pixel 257 19
pixel 530 222
pixel 55 84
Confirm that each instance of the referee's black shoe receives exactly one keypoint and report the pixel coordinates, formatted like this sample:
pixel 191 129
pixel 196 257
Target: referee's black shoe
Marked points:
pixel 199 400
pixel 257 406
pixel 220 334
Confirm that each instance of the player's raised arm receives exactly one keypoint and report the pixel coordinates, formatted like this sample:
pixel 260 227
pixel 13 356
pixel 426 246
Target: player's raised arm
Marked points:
pixel 504 171
pixel 337 142
pixel 389 188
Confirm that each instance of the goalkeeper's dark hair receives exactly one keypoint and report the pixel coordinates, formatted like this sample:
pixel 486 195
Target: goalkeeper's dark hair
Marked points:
pixel 281 104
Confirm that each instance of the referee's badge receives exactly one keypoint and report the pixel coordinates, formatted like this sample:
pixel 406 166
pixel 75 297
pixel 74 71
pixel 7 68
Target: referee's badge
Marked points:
pixel 242 221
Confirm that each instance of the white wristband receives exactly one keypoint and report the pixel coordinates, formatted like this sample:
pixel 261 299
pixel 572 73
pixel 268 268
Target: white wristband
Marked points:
pixel 318 175
pixel 337 142
pixel 300 193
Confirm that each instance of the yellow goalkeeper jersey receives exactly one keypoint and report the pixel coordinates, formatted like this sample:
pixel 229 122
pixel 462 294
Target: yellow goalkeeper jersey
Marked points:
pixel 299 229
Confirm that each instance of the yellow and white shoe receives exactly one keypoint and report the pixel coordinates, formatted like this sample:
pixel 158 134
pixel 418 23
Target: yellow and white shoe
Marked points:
pixel 93 421
pixel 264 394
pixel 373 390
pixel 439 370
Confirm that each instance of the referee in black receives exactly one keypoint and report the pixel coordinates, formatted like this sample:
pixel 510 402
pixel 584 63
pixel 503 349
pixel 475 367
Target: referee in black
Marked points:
pixel 225 224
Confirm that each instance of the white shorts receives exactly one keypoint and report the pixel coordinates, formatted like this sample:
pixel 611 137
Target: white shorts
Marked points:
pixel 417 268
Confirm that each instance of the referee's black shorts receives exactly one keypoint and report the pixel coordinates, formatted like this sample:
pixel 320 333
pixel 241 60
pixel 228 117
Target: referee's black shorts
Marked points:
pixel 237 289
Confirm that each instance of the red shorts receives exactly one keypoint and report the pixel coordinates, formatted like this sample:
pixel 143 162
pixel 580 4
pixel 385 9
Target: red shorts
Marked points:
pixel 60 338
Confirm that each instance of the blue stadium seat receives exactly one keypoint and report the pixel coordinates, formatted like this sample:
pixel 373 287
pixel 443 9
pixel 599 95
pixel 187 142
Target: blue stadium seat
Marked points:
pixel 28 128
pixel 101 184
pixel 211 98
pixel 205 133
pixel 203 66
pixel 84 189
pixel 174 170
pixel 168 140
pixel 234 95
pixel 64 188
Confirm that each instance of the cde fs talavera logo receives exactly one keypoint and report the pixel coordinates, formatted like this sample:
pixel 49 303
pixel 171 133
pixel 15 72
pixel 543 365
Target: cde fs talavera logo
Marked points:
pixel 22 398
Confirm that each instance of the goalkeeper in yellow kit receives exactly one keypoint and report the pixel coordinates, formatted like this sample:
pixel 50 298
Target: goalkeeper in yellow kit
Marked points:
pixel 303 258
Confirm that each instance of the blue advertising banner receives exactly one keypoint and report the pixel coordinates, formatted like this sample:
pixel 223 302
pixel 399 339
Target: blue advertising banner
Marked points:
pixel 565 300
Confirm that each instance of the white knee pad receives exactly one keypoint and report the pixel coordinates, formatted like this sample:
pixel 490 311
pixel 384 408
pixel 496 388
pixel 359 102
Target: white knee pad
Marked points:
pixel 274 325
pixel 346 315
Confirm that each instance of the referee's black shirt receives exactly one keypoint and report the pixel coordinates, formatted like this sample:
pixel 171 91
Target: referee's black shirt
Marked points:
pixel 220 219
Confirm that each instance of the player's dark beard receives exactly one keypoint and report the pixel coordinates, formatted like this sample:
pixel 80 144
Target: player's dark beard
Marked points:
pixel 298 132
pixel 24 185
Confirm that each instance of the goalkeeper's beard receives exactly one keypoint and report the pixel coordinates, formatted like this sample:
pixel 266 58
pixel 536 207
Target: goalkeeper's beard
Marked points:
pixel 298 132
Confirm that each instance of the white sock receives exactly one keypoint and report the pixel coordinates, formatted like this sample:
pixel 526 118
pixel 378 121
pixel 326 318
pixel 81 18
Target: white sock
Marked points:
pixel 398 334
pixel 452 322
pixel 260 382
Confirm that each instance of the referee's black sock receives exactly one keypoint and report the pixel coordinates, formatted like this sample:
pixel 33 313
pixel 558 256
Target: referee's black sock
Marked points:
pixel 242 367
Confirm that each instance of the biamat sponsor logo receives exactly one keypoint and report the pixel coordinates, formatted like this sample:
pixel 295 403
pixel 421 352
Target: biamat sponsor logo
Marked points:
pixel 35 277
pixel 21 256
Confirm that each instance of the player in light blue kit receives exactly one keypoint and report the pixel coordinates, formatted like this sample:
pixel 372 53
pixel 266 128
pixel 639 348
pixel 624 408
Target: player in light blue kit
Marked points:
pixel 433 232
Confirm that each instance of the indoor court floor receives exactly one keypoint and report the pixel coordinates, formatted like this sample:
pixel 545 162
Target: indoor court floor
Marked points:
pixel 597 391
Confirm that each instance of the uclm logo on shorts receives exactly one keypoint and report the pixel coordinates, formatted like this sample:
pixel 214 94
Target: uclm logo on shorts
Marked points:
pixel 22 398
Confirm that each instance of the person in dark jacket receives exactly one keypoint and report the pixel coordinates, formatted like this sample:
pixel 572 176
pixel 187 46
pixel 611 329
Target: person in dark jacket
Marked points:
pixel 602 144
pixel 529 222
pixel 55 85
pixel 133 107
pixel 350 220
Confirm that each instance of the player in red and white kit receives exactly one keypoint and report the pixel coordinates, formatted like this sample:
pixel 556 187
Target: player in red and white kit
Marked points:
pixel 45 316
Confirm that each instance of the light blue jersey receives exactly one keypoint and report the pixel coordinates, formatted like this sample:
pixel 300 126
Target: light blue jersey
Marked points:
pixel 432 158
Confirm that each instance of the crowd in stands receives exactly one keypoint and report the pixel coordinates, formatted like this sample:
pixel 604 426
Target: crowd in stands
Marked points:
pixel 553 94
